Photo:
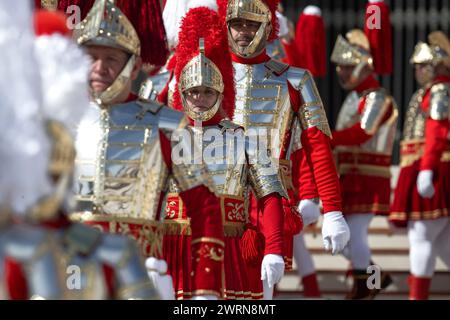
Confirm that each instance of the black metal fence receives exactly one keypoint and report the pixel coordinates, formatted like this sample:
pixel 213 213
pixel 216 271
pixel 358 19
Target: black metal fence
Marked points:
pixel 412 21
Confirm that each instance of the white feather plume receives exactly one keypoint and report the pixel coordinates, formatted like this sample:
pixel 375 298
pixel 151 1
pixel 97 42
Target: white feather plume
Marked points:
pixel 64 73
pixel 24 145
pixel 174 12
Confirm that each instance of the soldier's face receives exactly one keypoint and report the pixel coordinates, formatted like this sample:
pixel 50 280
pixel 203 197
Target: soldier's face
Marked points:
pixel 243 31
pixel 424 73
pixel 107 64
pixel 201 99
pixel 345 76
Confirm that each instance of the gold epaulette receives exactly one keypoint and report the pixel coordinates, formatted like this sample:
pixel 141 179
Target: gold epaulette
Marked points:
pixel 276 67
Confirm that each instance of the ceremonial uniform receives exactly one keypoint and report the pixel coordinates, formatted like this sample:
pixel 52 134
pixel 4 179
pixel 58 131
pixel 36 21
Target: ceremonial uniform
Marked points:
pixel 421 200
pixel 363 140
pixel 274 97
pixel 233 172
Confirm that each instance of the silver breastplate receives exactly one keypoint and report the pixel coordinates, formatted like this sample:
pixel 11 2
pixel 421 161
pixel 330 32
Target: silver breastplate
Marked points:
pixel 262 102
pixel 414 126
pixel 220 168
pixel 382 140
pixel 228 162
pixel 119 168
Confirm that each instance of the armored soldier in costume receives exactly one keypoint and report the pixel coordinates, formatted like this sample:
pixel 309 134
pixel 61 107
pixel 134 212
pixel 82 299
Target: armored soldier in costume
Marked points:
pixel 40 252
pixel 122 168
pixel 108 266
pixel 274 96
pixel 234 171
pixel 421 201
pixel 363 142
pixel 30 263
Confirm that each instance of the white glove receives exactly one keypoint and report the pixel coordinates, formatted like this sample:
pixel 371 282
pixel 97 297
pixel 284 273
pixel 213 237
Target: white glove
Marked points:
pixel 157 272
pixel 272 269
pixel 335 232
pixel 425 184
pixel 309 210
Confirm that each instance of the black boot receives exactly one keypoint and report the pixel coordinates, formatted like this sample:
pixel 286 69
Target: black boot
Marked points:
pixel 359 289
pixel 386 281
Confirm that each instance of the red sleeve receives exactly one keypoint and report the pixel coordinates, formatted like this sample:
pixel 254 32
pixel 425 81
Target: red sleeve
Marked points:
pixel 355 135
pixel 352 136
pixel 302 176
pixel 320 159
pixel 166 149
pixel 203 207
pixel 15 280
pixel 436 132
pixel 207 245
pixel 272 220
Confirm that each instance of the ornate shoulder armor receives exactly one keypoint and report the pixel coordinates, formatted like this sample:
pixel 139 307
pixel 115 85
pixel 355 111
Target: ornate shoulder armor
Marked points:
pixel 311 112
pixel 36 249
pixel 263 172
pixel 122 254
pixel 376 105
pixel 440 101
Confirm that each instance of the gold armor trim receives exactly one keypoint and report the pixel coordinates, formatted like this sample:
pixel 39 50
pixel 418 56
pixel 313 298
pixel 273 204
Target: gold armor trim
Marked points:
pixel 106 25
pixel 208 240
pixel 440 101
pixel 264 184
pixel 62 162
pixel 422 54
pixel 376 106
pixel 312 113
pixel 51 5
pixel 417 215
pixel 253 10
pixel 414 126
pixel 277 67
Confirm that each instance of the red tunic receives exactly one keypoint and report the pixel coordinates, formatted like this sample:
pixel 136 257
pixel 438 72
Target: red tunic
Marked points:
pixel 432 154
pixel 364 175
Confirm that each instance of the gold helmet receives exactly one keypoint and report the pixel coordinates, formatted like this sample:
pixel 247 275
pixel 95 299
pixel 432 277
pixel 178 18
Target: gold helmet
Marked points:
pixel 253 10
pixel 198 72
pixel 203 60
pixel 422 54
pixel 353 50
pixel 106 25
